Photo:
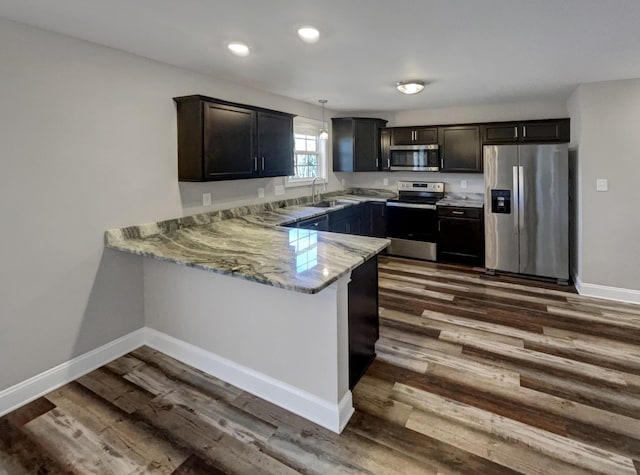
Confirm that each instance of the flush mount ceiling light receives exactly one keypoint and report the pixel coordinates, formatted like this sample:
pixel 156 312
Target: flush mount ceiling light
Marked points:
pixel 324 133
pixel 238 48
pixel 309 34
pixel 410 87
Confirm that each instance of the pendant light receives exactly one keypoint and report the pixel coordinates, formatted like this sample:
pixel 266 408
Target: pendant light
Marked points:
pixel 324 133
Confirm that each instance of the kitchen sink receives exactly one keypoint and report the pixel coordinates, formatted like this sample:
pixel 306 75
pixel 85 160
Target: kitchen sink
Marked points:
pixel 324 204
pixel 332 203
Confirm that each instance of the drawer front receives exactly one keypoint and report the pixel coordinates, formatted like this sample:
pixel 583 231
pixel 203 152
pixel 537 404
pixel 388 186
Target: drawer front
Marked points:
pixel 460 212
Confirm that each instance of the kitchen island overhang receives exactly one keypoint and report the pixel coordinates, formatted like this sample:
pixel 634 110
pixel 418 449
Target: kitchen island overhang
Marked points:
pixel 271 316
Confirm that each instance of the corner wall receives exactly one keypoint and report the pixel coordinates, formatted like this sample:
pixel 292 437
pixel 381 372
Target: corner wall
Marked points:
pixel 606 116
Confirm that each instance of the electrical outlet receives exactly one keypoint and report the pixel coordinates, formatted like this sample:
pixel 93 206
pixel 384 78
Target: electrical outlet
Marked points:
pixel 385 181
pixel 463 184
pixel 602 184
pixel 260 192
pixel 278 190
pixel 342 182
pixel 206 199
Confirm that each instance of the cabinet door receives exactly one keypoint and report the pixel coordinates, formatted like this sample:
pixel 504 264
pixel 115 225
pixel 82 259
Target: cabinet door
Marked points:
pixel 363 318
pixel 366 146
pixel 385 149
pixel 275 144
pixel 461 240
pixel 414 135
pixel 426 135
pixel 229 134
pixel 501 133
pixel 378 217
pixel 402 136
pixel 545 131
pixel 460 149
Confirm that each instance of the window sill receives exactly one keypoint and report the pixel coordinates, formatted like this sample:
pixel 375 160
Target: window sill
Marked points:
pixel 296 183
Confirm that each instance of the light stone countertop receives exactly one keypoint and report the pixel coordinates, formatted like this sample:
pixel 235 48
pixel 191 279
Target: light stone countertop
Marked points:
pixel 249 243
pixel 463 200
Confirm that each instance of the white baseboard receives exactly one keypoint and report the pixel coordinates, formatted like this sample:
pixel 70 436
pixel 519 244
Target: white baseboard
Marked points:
pixel 47 381
pixel 331 416
pixel 606 292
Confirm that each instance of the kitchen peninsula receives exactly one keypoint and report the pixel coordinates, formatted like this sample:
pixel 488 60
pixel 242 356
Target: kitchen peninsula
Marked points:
pixel 272 315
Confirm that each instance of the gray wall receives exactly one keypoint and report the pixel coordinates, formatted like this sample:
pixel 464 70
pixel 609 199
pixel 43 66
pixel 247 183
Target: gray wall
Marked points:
pixel 88 138
pixel 605 116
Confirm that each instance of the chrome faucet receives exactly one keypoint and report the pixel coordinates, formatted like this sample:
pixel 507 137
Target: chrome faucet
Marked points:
pixel 313 189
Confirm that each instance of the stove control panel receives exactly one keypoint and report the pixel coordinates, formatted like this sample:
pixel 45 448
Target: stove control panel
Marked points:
pixel 421 186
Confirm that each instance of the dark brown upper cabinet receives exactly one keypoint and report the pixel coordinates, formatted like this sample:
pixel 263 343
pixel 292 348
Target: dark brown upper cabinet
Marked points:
pixel 460 149
pixel 356 144
pixel 536 131
pixel 385 149
pixel 414 135
pixel 220 140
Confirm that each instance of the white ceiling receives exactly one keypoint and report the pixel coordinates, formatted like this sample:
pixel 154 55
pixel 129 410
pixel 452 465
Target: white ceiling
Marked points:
pixel 472 51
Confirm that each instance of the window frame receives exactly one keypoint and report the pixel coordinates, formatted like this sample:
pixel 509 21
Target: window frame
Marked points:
pixel 309 127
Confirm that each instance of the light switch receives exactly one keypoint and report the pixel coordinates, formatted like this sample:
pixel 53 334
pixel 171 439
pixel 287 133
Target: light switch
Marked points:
pixel 385 181
pixel 463 184
pixel 260 192
pixel 206 199
pixel 602 184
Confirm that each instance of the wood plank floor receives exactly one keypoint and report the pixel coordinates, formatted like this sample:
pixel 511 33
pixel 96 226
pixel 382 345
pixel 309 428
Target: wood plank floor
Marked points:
pixel 475 374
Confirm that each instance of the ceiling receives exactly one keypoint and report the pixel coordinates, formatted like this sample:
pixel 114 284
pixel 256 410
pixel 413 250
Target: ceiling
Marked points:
pixel 471 51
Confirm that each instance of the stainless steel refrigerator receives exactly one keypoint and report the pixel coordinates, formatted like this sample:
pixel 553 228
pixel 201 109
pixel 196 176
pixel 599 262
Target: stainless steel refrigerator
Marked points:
pixel 527 210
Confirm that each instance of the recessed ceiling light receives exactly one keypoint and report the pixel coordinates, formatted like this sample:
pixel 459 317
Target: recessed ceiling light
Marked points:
pixel 410 87
pixel 239 49
pixel 309 34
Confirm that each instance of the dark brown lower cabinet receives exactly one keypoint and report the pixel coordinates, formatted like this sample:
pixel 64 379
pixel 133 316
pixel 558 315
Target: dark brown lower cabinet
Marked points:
pixel 363 319
pixel 460 235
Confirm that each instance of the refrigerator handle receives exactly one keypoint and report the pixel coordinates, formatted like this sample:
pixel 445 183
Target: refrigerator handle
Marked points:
pixel 521 193
pixel 516 200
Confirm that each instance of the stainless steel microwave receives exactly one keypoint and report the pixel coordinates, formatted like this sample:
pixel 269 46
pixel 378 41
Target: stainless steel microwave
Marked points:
pixel 417 158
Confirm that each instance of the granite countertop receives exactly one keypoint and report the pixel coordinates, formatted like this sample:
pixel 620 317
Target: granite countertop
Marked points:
pixel 463 200
pixel 249 243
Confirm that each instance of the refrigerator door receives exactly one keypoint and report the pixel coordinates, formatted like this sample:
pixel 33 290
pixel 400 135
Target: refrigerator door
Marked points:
pixel 501 218
pixel 543 208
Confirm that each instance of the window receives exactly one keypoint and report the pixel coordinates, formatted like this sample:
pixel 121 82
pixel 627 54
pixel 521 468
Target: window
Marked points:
pixel 309 156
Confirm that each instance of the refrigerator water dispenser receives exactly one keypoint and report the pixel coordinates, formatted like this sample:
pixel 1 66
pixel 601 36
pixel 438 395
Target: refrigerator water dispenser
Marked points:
pixel 501 201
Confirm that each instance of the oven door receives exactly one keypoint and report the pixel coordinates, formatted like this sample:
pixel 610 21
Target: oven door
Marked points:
pixel 412 221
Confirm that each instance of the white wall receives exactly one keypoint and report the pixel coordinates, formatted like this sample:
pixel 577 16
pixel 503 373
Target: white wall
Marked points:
pixel 455 115
pixel 606 116
pixel 88 137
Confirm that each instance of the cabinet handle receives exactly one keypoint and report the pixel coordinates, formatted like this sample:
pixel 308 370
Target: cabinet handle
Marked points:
pixel 377 162
pixel 255 164
pixel 457 212
pixel 389 163
pixel 263 163
pixel 442 162
pixel 516 131
pixel 524 131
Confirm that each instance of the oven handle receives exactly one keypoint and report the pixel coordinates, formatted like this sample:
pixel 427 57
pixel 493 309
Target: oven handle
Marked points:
pixel 410 205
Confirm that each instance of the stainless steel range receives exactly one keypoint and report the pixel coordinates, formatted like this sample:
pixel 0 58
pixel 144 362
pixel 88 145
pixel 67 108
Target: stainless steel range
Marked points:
pixel 412 219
